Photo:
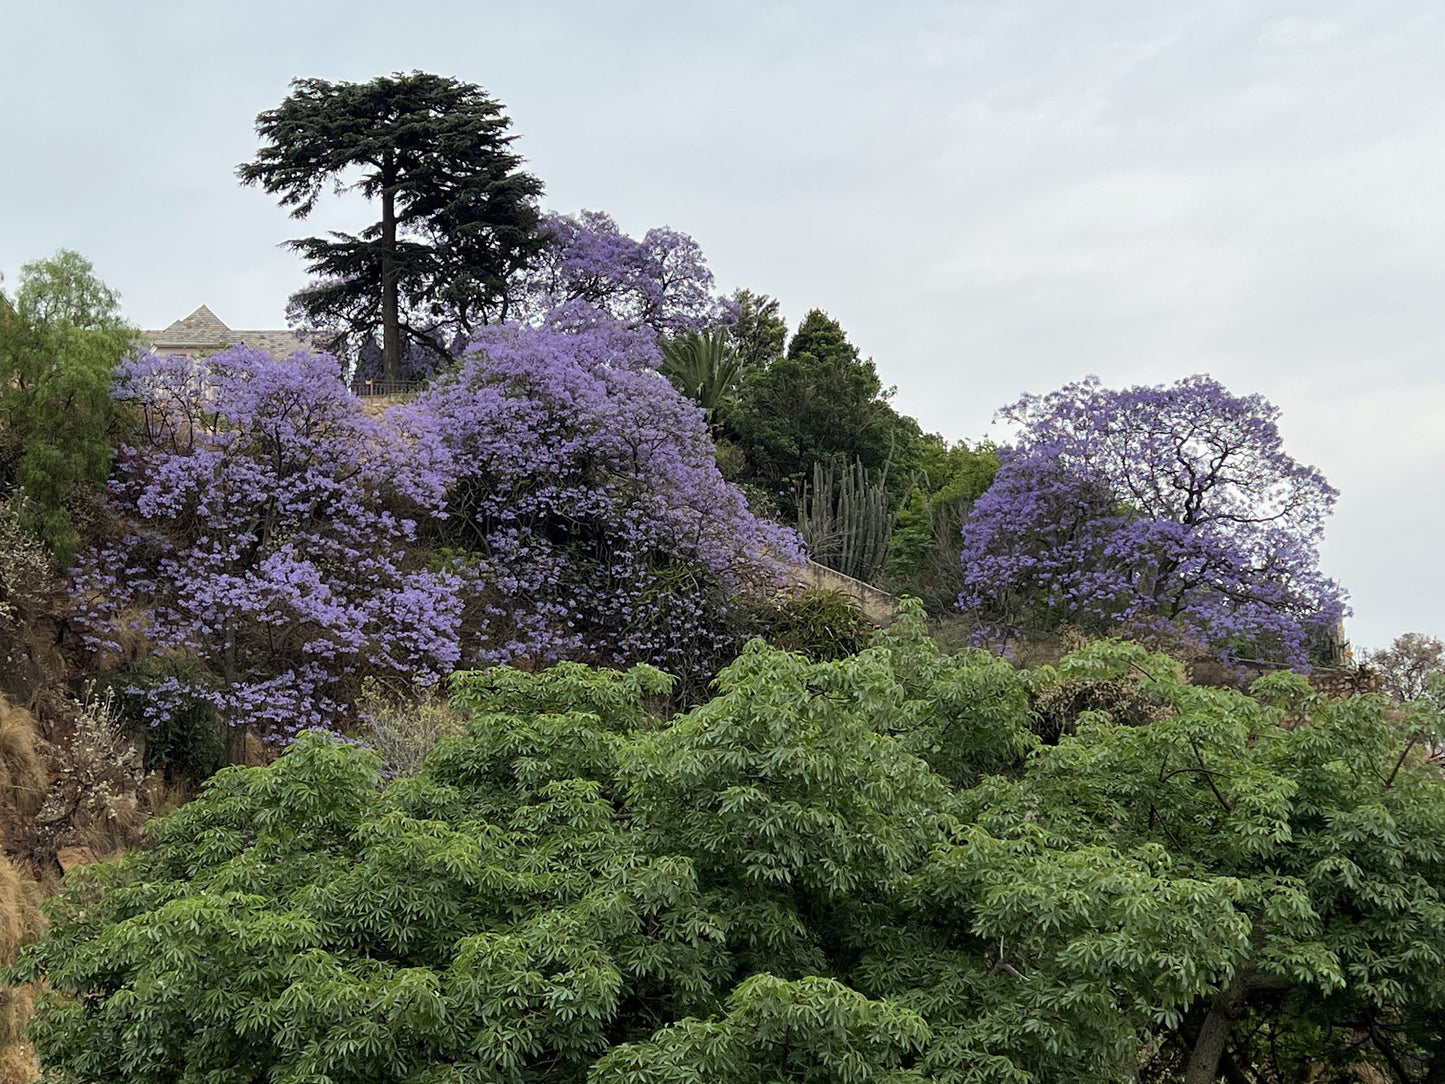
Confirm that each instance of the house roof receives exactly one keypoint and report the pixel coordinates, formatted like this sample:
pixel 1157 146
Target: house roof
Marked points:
pixel 204 330
pixel 201 328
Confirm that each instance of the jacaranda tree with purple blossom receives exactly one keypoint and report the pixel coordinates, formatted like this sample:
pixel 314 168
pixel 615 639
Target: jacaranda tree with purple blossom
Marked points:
pixel 584 495
pixel 586 277
pixel 267 533
pixel 1161 508
pixel 590 271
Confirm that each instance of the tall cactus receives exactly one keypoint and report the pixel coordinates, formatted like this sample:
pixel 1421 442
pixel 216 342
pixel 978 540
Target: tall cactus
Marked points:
pixel 845 520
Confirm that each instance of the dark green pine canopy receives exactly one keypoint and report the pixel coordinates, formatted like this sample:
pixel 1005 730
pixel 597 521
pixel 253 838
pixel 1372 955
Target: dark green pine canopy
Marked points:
pixel 458 213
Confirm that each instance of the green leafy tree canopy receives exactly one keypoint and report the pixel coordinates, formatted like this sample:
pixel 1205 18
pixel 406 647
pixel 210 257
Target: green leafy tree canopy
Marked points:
pixel 865 871
pixel 61 338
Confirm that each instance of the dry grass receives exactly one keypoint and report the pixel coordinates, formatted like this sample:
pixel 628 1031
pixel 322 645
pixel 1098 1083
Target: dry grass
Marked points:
pixel 18 1065
pixel 23 777
pixel 21 921
pixel 16 1005
pixel 20 917
pixel 160 797
pixel 404 725
pixel 111 829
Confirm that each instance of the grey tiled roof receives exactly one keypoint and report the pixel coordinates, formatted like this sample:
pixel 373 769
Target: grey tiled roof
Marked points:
pixel 280 343
pixel 203 330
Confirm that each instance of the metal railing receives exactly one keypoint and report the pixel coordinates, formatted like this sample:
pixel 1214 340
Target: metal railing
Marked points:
pixel 365 388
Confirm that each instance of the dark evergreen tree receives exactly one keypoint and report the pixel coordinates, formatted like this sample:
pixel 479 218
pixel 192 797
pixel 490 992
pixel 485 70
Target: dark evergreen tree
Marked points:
pixel 760 332
pixel 458 214
pixel 820 403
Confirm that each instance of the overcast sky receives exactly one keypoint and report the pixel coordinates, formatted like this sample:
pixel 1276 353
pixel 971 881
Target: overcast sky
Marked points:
pixel 992 198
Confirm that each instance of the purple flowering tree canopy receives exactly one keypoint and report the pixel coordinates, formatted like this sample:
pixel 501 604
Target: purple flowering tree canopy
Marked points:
pixel 1171 507
pixel 591 272
pixel 583 487
pixel 267 525
pixel 553 498
pixel 586 276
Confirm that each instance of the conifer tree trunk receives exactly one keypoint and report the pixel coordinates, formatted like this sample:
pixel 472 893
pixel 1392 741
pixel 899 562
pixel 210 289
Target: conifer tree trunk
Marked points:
pixel 390 317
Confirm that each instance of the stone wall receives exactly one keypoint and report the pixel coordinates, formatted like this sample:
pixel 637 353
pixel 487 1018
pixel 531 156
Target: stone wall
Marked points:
pixel 1338 681
pixel 1343 682
pixel 374 406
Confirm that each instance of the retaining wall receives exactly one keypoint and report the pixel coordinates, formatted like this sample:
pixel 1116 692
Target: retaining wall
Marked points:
pixel 877 605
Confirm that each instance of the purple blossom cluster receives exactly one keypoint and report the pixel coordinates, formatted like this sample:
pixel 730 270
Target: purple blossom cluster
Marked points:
pixel 592 274
pixel 584 490
pixel 267 531
pixel 553 498
pixel 1172 506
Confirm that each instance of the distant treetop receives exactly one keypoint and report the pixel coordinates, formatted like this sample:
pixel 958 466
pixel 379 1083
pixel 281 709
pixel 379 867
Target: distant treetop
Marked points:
pixel 1174 504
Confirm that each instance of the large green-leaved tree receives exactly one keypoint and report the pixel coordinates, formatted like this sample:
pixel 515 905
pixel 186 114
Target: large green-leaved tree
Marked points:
pixel 61 338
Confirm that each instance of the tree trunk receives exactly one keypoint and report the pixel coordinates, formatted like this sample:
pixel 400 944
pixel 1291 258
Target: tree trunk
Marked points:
pixel 235 744
pixel 230 675
pixel 390 310
pixel 1209 1046
pixel 1214 1034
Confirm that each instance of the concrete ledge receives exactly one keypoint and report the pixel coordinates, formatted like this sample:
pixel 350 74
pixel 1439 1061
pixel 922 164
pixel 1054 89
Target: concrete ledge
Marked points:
pixel 877 605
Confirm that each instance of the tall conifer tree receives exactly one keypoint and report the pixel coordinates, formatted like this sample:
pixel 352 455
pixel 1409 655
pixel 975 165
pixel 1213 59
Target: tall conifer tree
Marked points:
pixel 458 214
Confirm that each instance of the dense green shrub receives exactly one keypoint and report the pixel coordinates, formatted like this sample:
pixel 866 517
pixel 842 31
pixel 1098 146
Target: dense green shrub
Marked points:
pixel 61 338
pixel 821 625
pixel 161 701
